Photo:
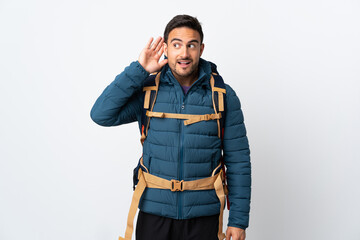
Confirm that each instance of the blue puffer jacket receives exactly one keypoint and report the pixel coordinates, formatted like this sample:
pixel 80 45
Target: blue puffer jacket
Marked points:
pixel 175 151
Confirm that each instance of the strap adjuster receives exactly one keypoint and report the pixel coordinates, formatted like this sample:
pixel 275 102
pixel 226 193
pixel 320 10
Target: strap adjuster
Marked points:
pixel 176 185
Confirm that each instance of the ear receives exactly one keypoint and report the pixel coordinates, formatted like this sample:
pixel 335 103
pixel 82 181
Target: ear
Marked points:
pixel 202 49
pixel 165 49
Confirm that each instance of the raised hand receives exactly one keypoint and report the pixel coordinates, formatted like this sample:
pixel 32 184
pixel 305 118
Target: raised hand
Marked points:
pixel 150 55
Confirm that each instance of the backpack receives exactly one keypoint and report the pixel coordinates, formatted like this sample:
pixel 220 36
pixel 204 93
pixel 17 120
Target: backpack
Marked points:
pixel 150 89
pixel 143 179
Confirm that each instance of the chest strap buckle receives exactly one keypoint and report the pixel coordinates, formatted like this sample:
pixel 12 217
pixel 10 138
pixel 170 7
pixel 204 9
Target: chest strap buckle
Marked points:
pixel 176 185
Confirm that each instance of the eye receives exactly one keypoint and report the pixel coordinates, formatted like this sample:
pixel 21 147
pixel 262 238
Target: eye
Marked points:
pixel 176 45
pixel 191 45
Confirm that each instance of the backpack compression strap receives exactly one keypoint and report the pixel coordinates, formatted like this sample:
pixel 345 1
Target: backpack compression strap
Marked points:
pixel 190 118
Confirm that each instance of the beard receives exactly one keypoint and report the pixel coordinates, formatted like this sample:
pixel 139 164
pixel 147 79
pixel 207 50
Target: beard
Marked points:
pixel 188 72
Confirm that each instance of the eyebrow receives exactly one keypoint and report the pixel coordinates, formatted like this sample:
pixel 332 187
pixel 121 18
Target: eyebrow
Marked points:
pixel 177 39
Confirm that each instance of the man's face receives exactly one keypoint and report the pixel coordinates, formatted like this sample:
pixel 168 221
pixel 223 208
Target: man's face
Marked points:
pixel 183 50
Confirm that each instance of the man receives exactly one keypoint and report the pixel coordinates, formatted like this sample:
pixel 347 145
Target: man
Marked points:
pixel 174 150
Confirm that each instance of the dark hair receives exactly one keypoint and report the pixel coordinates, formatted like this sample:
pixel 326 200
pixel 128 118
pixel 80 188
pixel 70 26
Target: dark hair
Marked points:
pixel 183 21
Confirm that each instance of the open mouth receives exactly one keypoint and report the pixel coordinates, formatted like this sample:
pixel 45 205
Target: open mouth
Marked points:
pixel 184 63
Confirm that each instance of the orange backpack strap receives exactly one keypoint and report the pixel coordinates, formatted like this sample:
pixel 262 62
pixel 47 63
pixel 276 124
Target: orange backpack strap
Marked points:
pixel 150 90
pixel 219 102
pixel 219 99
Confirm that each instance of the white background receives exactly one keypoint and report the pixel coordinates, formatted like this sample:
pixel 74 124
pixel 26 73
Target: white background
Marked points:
pixel 295 65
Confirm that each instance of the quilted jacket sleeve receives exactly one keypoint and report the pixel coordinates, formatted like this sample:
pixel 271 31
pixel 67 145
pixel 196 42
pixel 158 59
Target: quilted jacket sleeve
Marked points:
pixel 121 101
pixel 237 161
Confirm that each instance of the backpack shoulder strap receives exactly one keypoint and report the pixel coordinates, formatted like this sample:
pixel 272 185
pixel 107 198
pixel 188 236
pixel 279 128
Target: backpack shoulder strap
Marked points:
pixel 219 102
pixel 219 99
pixel 150 89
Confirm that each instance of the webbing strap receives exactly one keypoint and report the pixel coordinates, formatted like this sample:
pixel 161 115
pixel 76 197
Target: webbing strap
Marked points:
pixel 221 101
pixel 152 181
pixel 147 99
pixel 219 89
pixel 212 83
pixel 147 103
pixel 140 188
pixel 219 189
pixel 191 118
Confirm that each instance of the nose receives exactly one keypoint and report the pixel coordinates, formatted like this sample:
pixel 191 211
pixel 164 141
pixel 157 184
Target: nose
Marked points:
pixel 185 52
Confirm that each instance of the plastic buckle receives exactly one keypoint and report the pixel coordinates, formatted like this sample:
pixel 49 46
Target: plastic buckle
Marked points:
pixel 176 185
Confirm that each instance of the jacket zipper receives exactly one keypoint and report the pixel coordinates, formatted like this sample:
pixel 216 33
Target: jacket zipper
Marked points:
pixel 181 153
pixel 180 168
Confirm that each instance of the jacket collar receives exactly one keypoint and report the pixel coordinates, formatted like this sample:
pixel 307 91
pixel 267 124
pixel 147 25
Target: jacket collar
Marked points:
pixel 204 74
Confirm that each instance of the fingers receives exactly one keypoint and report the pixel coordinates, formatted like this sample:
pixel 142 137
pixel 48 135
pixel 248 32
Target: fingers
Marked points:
pixel 161 51
pixel 228 235
pixel 159 45
pixel 156 43
pixel 163 62
pixel 149 42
